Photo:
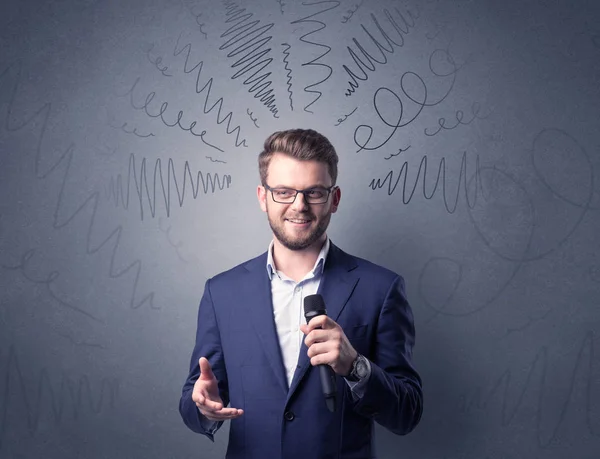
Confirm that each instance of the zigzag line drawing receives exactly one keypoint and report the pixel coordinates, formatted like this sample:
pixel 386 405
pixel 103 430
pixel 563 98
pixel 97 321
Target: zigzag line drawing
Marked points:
pixel 315 61
pixel 68 398
pixel 89 204
pixel 369 62
pixel 247 42
pixel 540 364
pixel 116 192
pixel 407 195
pixel 219 103
pixel 289 73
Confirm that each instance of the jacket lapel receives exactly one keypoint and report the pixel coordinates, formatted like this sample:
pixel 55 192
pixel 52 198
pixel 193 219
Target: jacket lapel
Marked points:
pixel 258 293
pixel 336 286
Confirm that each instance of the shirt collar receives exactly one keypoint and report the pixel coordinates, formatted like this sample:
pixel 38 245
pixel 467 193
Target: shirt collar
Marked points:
pixel 317 268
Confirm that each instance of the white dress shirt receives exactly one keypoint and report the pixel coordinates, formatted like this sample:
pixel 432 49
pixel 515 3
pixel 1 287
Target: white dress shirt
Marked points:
pixel 288 312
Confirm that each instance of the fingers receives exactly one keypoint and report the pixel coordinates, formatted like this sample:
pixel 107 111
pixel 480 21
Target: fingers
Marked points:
pixel 321 336
pixel 320 322
pixel 205 395
pixel 223 415
pixel 321 349
pixel 203 401
pixel 211 408
pixel 214 410
pixel 205 369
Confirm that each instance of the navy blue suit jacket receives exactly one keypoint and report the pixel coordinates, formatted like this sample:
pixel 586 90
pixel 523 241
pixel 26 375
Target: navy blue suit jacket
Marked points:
pixel 236 333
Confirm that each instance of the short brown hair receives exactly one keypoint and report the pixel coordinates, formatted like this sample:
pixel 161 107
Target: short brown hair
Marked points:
pixel 301 144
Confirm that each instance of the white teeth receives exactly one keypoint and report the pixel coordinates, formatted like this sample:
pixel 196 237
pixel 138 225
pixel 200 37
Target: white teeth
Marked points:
pixel 297 221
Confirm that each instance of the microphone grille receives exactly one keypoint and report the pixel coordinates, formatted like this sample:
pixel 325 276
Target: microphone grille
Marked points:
pixel 313 303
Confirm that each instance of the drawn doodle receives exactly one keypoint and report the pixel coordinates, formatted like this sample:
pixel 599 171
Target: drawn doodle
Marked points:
pixel 316 62
pixel 246 40
pixel 119 192
pixel 89 206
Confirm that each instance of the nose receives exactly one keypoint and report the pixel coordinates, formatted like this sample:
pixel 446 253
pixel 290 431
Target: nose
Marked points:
pixel 300 202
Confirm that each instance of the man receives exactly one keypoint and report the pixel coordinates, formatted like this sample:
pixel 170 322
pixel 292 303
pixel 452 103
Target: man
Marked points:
pixel 255 353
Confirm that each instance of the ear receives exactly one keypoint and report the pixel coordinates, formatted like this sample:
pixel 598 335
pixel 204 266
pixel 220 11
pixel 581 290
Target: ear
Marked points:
pixel 336 196
pixel 261 194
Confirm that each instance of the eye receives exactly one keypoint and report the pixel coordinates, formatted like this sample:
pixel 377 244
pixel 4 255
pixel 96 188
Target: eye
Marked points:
pixel 316 193
pixel 283 192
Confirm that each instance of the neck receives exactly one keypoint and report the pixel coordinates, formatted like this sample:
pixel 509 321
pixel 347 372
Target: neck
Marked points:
pixel 295 264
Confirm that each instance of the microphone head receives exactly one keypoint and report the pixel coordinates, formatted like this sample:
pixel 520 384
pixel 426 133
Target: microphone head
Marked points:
pixel 314 306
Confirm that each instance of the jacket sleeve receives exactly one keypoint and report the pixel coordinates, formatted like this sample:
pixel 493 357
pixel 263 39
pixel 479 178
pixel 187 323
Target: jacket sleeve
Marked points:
pixel 208 344
pixel 393 395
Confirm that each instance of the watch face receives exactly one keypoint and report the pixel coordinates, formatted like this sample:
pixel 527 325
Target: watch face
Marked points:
pixel 361 368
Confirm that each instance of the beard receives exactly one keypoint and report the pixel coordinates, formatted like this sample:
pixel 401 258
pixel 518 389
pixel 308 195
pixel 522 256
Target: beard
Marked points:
pixel 299 242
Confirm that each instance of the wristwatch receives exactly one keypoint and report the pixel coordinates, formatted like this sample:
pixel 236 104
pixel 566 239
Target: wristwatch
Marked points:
pixel 360 369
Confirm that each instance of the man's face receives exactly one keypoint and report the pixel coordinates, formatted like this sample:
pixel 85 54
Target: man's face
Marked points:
pixel 298 225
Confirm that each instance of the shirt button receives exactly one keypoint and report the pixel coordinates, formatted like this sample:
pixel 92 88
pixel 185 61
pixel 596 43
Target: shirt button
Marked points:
pixel 289 416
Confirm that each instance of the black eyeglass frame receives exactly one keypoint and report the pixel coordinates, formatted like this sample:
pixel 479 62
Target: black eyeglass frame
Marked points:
pixel 329 190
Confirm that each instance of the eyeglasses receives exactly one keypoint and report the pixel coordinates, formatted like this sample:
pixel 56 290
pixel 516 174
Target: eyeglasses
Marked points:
pixel 317 195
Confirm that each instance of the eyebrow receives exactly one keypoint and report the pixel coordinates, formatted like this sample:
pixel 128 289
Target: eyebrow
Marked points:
pixel 308 188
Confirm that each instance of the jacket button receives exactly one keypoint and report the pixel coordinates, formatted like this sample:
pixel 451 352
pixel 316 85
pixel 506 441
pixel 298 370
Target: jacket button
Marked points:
pixel 289 416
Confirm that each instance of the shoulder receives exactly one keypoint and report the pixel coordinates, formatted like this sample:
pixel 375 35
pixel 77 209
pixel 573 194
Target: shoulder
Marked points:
pixel 364 268
pixel 253 265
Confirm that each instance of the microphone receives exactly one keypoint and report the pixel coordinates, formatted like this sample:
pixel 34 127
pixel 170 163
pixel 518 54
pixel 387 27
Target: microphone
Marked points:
pixel 315 306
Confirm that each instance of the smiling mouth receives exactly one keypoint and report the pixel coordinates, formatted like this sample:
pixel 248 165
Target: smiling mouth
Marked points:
pixel 297 220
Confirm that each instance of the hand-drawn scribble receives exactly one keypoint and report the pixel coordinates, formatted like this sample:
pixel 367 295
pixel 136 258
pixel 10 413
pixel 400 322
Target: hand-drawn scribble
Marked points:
pixel 215 160
pixel 315 62
pixel 247 41
pixel 408 81
pixel 163 108
pixel 437 31
pixel 448 275
pixel 89 205
pixel 400 151
pixel 551 137
pixel 530 321
pixel 196 17
pixel 367 61
pixel 537 382
pixel 176 245
pixel 408 193
pixel 208 87
pixel 23 266
pixel 105 150
pixel 67 398
pixel 350 12
pixel 204 182
pixel 157 62
pixel 133 131
pixel 555 137
pixel 254 120
pixel 289 73
pixel 520 250
pixel 341 120
pixel 123 126
pixel 436 265
pixel 459 120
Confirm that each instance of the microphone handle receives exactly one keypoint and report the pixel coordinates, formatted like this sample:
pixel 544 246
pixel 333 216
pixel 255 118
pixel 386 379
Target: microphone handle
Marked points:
pixel 328 381
pixel 328 385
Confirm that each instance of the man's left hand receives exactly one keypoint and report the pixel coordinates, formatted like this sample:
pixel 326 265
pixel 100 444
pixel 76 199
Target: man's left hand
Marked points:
pixel 328 344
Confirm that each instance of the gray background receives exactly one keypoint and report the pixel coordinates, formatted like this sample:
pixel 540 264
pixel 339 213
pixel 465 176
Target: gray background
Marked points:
pixel 107 232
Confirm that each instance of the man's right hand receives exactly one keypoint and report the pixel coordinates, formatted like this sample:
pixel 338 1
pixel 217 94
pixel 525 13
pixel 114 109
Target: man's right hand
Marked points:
pixel 206 395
